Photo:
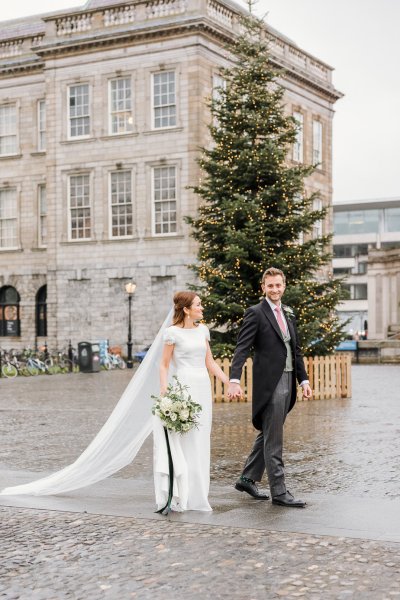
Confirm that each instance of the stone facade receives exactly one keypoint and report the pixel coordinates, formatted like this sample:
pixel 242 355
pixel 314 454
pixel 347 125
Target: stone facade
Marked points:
pixel 66 62
pixel 384 294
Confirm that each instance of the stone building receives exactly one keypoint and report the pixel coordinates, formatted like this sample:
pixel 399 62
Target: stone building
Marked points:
pixel 102 114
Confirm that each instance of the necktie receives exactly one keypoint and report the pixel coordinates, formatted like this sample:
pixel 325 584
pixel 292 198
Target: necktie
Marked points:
pixel 280 320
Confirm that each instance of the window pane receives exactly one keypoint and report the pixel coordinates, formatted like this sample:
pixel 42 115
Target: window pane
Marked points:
pixel 42 215
pixel 80 212
pixel 317 142
pixel 79 110
pixel 41 125
pixel 392 219
pixel 8 218
pixel 298 145
pixel 164 100
pixel 121 203
pixel 121 120
pixel 8 129
pixel 362 221
pixel 164 199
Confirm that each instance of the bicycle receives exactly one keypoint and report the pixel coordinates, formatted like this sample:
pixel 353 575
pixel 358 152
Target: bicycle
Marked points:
pixel 59 363
pixel 11 367
pixel 112 361
pixel 35 366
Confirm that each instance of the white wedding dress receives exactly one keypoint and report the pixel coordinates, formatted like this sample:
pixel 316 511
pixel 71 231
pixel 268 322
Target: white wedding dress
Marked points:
pixel 131 422
pixel 190 451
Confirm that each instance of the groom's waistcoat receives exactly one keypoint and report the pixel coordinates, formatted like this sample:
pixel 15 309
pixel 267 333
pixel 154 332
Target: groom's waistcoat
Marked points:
pixel 289 355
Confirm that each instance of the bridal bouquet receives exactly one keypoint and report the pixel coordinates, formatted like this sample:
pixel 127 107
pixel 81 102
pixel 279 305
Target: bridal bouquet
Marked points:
pixel 176 409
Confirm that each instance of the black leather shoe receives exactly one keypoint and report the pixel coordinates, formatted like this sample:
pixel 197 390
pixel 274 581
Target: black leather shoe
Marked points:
pixel 287 499
pixel 248 485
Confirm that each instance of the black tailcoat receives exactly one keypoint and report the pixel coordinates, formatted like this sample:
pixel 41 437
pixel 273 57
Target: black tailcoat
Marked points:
pixel 260 330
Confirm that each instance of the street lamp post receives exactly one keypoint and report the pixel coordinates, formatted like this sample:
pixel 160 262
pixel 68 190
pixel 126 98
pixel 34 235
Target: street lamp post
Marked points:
pixel 130 290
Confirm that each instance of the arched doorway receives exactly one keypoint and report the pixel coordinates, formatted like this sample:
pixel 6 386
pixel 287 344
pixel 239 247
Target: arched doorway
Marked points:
pixel 10 324
pixel 41 312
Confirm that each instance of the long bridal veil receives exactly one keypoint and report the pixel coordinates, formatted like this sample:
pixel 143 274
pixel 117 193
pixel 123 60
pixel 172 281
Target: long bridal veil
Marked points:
pixel 120 438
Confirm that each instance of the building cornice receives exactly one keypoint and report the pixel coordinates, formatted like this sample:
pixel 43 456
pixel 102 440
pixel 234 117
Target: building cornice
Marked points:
pixel 87 30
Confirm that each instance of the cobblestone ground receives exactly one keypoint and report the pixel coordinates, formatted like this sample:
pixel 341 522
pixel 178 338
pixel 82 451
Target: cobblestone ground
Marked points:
pixel 46 556
pixel 342 446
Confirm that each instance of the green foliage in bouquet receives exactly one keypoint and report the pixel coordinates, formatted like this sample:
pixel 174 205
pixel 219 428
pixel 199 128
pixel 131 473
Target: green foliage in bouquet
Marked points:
pixel 176 409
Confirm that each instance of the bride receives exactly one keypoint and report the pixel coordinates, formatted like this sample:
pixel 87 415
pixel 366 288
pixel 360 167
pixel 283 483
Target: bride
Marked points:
pixel 184 346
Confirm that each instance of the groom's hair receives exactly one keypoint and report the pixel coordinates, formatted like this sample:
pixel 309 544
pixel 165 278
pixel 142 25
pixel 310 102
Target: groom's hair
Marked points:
pixel 271 272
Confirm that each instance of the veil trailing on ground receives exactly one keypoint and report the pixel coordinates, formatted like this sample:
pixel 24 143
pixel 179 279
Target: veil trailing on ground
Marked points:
pixel 120 438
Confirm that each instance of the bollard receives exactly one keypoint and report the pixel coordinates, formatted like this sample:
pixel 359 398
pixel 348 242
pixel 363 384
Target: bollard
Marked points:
pixel 70 357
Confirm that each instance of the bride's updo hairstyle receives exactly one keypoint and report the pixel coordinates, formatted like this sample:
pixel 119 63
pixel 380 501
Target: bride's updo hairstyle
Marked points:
pixel 182 300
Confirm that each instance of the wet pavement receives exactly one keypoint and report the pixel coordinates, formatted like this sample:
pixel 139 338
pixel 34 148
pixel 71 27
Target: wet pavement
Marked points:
pixel 343 456
pixel 333 446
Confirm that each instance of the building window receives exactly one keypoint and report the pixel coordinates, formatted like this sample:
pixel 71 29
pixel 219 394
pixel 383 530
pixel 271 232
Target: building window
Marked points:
pixel 79 115
pixel 298 149
pixel 79 207
pixel 356 221
pixel 41 312
pixel 317 226
pixel 362 268
pixel 120 102
pixel 8 218
pixel 219 83
pixel 357 291
pixel 121 203
pixel 164 100
pixel 392 219
pixel 342 271
pixel 317 143
pixel 164 200
pixel 347 251
pixel 9 312
pixel 42 212
pixel 41 108
pixel 8 129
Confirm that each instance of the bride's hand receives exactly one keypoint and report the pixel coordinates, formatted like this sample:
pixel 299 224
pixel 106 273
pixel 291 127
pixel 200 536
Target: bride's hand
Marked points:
pixel 163 391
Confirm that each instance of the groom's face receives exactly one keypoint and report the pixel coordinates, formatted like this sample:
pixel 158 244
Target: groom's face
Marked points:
pixel 273 288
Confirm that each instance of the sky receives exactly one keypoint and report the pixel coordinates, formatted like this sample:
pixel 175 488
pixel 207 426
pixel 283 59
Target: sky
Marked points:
pixel 360 39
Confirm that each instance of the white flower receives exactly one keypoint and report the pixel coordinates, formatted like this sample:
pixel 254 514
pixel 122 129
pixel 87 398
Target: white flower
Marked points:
pixel 165 404
pixel 173 417
pixel 184 414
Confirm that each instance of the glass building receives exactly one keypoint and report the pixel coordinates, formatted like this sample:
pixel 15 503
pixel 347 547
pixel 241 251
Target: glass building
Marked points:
pixel 359 227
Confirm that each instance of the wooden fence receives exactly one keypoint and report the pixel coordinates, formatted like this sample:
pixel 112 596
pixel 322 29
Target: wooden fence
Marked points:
pixel 330 377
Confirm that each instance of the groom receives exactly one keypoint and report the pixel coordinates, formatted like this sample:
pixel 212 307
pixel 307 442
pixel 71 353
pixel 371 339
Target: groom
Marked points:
pixel 270 329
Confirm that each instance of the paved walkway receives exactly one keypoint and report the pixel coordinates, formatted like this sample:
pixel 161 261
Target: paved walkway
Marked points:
pixel 106 542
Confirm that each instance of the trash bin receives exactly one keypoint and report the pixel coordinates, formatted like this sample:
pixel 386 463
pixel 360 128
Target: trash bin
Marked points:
pixel 89 357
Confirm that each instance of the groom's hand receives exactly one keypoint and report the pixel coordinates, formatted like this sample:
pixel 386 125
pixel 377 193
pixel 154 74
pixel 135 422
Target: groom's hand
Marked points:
pixel 234 390
pixel 307 391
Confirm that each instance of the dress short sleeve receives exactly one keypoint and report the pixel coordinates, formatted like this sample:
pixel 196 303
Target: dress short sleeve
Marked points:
pixel 169 337
pixel 206 331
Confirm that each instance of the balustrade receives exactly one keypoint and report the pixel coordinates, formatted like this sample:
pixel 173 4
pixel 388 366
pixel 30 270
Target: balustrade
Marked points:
pixel 11 48
pixel 119 16
pixel 73 24
pixel 165 8
pixel 220 13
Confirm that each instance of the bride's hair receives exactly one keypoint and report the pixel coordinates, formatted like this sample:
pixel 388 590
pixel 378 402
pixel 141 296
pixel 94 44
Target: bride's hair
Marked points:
pixel 182 300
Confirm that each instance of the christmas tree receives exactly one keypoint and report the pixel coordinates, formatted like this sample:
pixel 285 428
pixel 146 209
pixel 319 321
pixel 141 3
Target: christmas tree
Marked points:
pixel 254 207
